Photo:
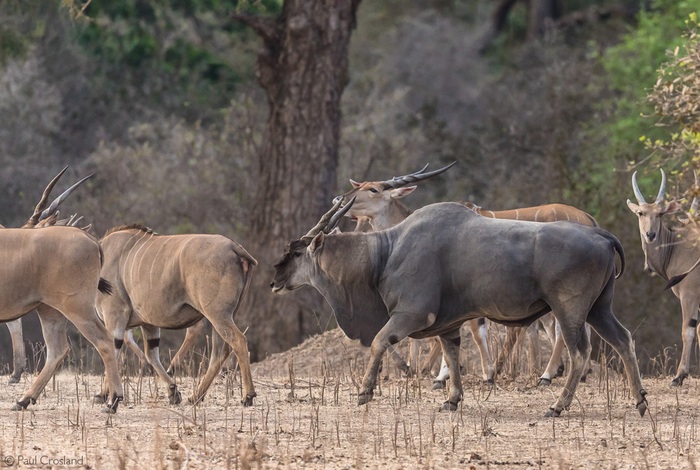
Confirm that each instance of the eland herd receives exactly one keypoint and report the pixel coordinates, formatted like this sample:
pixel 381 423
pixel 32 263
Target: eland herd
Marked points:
pixel 400 274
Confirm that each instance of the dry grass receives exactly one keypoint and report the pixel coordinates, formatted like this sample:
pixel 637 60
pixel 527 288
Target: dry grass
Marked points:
pixel 306 416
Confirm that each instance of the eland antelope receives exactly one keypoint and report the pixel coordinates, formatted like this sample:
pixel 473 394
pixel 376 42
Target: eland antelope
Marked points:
pixel 56 270
pixel 173 281
pixel 444 265
pixel 377 203
pixel 671 253
pixel 42 217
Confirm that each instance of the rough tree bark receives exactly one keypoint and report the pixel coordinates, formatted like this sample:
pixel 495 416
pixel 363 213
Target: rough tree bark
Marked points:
pixel 303 69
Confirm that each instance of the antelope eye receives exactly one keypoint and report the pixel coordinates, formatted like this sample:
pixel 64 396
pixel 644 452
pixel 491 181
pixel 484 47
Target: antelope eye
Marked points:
pixel 640 213
pixel 297 254
pixel 373 190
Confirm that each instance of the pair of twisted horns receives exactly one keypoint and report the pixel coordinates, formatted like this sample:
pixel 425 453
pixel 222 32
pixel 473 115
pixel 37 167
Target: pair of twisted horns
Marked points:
pixel 420 175
pixel 330 219
pixel 40 213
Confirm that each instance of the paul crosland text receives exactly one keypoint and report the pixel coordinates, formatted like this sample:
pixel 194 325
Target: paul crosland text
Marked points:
pixel 42 460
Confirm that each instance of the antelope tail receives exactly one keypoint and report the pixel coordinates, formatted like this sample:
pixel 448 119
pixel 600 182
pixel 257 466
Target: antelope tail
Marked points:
pixel 618 248
pixel 105 286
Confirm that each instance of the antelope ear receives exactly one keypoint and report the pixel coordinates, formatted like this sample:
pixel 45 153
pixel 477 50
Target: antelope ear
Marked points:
pixel 355 184
pixel 316 243
pixel 401 192
pixel 633 207
pixel 672 207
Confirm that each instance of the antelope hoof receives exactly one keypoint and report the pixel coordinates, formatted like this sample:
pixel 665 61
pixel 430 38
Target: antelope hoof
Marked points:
pixel 560 371
pixel 23 404
pixel 364 398
pixel 174 396
pixel 489 382
pixel 552 413
pixel 100 399
pixel 642 405
pixel 678 381
pixel 438 384
pixel 544 382
pixel 14 379
pixel 449 406
pixel 248 400
pixel 111 408
pixel 585 375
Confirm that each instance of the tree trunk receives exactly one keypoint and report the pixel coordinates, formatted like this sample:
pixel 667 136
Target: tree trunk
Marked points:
pixel 303 68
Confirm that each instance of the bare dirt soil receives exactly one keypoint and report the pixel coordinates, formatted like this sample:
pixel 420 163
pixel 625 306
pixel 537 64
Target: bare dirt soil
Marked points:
pixel 305 416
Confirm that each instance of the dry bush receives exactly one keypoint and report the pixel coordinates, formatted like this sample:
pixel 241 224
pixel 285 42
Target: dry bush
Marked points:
pixel 177 178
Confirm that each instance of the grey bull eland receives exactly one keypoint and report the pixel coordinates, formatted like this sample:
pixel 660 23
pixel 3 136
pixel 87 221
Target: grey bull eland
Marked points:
pixel 671 253
pixel 173 281
pixel 444 265
pixel 377 202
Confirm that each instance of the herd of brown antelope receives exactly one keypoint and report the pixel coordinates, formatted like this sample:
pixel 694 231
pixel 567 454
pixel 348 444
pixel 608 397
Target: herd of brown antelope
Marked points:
pixel 133 277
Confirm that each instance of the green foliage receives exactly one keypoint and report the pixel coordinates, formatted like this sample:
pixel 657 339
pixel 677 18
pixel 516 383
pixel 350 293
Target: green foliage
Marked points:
pixel 632 66
pixel 676 100
pixel 185 47
pixel 12 45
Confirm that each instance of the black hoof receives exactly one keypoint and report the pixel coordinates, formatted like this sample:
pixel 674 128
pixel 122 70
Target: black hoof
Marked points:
pixel 174 396
pixel 552 413
pixel 560 371
pixel 678 381
pixel 248 400
pixel 489 382
pixel 364 398
pixel 585 375
pixel 544 382
pixel 449 406
pixel 438 384
pixel 23 404
pixel 642 405
pixel 100 399
pixel 111 408
pixel 14 379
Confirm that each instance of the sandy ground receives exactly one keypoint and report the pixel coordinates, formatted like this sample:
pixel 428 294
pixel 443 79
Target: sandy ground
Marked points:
pixel 305 416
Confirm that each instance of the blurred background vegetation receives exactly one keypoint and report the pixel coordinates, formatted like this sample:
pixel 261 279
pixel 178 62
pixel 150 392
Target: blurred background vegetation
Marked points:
pixel 160 100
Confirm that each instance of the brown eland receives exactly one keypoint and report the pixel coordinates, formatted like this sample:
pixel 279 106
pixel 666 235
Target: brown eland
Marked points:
pixel 173 281
pixel 444 265
pixel 56 270
pixel 42 217
pixel 671 252
pixel 45 217
pixel 377 204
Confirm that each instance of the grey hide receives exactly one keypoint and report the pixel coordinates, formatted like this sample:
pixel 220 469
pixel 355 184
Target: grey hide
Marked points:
pixel 444 265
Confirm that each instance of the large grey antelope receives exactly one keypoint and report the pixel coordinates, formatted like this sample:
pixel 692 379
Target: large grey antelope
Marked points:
pixel 56 270
pixel 42 217
pixel 444 265
pixel 173 281
pixel 378 203
pixel 671 253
